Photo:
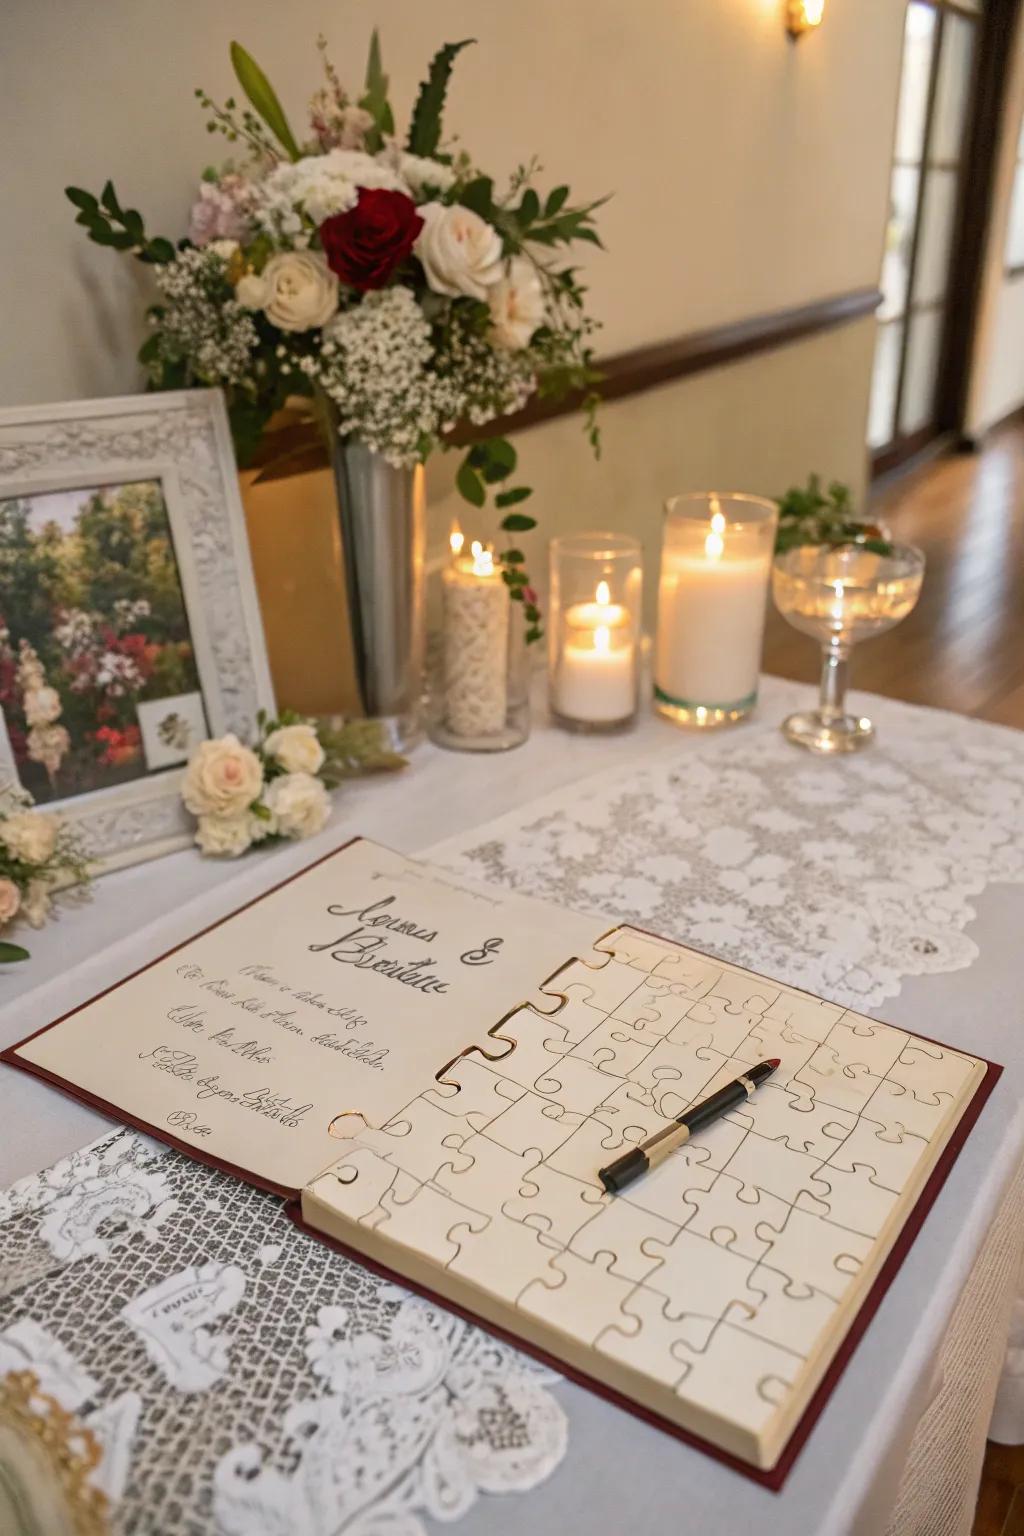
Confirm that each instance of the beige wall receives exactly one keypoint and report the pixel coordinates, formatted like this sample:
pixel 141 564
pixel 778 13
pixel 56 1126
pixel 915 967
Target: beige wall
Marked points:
pixel 749 174
pixel 997 371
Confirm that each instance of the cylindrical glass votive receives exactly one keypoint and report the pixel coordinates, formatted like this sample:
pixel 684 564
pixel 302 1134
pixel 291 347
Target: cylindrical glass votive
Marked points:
pixel 479 679
pixel 594 631
pixel 715 565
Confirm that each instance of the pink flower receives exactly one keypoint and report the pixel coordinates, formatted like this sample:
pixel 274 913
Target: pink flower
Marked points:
pixel 219 212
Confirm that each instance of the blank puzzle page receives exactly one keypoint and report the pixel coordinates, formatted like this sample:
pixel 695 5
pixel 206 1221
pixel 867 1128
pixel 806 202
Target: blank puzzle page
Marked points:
pixel 716 1289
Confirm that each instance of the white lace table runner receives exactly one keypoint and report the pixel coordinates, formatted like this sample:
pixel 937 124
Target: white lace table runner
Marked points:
pixel 842 877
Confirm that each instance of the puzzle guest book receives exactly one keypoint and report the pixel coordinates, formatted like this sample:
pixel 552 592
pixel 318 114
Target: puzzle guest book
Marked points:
pixel 432 1072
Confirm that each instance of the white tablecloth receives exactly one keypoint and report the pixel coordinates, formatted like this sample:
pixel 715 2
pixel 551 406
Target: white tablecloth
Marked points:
pixel 867 892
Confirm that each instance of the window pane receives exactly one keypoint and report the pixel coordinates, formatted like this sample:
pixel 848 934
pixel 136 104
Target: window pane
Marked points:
pixel 899 237
pixel 937 218
pixel 919 386
pixel 1015 230
pixel 919 43
pixel 882 414
pixel 953 90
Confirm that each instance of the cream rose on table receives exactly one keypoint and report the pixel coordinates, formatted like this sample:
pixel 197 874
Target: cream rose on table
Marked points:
pixel 223 778
pixel 39 856
pixel 517 305
pixel 296 747
pixel 30 836
pixel 296 290
pixel 299 804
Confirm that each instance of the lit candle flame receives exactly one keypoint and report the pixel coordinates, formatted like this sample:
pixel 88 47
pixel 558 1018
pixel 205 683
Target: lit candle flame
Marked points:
pixel 456 539
pixel 603 639
pixel 483 559
pixel 714 544
pixel 603 594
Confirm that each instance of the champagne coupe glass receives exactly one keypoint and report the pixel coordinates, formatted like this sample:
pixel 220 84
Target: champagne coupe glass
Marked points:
pixel 842 594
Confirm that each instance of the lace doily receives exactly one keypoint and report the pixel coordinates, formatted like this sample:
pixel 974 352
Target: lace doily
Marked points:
pixel 842 877
pixel 243 1378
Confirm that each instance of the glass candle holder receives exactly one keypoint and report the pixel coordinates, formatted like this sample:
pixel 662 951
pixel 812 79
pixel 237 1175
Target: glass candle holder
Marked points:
pixel 839 595
pixel 713 591
pixel 594 631
pixel 479 686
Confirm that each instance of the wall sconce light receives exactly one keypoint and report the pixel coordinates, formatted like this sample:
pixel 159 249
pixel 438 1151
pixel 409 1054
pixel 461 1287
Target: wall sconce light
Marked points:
pixel 803 15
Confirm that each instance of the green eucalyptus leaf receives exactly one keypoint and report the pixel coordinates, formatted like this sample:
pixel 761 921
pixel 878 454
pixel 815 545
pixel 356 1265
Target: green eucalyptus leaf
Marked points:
pixel 478 196
pixel 81 198
pixel 512 498
pixel 108 197
pixel 9 953
pixel 264 98
pixel 555 201
pixel 518 522
pixel 469 485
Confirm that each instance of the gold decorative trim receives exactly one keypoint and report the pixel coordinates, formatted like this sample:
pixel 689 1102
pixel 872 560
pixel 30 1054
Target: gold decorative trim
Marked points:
pixel 66 1447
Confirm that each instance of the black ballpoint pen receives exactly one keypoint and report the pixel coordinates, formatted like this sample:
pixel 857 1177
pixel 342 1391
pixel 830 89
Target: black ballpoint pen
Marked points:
pixel 638 1160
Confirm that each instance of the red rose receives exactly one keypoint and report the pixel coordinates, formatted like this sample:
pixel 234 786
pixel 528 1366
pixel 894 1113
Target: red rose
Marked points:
pixel 364 246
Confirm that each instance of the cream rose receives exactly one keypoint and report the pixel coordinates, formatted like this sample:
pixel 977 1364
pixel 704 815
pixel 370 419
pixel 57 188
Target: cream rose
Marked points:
pixel 35 907
pixel 296 291
pixel 296 748
pixel 223 778
pixel 30 836
pixel 460 252
pixel 10 901
pixel 42 706
pixel 517 305
pixel 223 836
pixel 299 803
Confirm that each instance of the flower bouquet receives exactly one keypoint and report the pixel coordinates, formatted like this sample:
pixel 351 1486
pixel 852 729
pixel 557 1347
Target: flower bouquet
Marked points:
pixel 39 856
pixel 376 284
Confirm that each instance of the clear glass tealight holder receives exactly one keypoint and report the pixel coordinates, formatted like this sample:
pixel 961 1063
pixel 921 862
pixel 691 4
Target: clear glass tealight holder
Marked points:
pixel 712 595
pixel 594 631
pixel 479 675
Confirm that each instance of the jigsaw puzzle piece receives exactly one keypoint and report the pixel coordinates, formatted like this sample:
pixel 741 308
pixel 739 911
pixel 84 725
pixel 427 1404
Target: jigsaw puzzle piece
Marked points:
pixel 576 1296
pixel 699 1280
pixel 633 1112
pixel 854 1199
pixel 773 1167
pixel 425 1221
pixel 488 1169
pixel 899 1109
pixel 420 1139
pixel 728 1214
pixel 743 1377
pixel 683 1069
pixel 793 1321
pixel 865 1043
pixel 708 1022
pixel 654 1009
pixel 614 1048
pixel 890 1155
pixel 533 1121
pixel 930 1072
pixel 603 989
pixel 644 1337
pixel 357 1182
pixel 814 1255
pixel 770 1038
pixel 591 1145
pixel 618 1229
pixel 843 1085
pixel 640 951
pixel 502 1258
pixel 576 1085
pixel 554 1204
pixel 539 1044
pixel 479 1092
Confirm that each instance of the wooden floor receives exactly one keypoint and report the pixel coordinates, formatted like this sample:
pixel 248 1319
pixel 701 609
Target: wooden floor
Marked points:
pixel 963 646
pixel 1001 1501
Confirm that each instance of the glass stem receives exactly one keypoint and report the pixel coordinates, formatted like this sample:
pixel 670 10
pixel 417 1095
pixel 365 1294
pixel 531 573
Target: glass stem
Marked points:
pixel 834 669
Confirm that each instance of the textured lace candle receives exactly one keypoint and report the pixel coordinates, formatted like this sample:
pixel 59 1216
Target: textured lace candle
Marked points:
pixel 476 623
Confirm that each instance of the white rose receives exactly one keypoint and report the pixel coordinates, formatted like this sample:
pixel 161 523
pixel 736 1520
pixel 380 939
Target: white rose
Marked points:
pixel 251 291
pixel 460 252
pixel 517 305
pixel 223 836
pixel 300 804
pixel 10 901
pixel 300 290
pixel 42 706
pixel 35 907
pixel 223 778
pixel 296 748
pixel 30 836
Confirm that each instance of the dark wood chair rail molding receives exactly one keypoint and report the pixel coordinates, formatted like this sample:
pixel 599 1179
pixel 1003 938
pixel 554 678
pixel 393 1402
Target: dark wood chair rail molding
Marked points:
pixel 627 373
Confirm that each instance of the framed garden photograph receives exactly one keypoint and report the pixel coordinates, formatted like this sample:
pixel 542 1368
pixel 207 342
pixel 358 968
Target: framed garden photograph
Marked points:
pixel 129 625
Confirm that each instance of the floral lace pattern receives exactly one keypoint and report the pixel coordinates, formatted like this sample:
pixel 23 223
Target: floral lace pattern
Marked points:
pixel 244 1378
pixel 840 877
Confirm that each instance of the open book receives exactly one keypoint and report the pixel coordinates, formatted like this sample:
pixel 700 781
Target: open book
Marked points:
pixel 433 1071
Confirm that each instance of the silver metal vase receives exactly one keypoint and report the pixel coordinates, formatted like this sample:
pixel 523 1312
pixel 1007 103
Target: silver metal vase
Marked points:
pixel 382 523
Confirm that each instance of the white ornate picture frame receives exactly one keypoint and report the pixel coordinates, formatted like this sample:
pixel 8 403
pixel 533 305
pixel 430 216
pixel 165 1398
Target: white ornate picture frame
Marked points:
pixel 181 440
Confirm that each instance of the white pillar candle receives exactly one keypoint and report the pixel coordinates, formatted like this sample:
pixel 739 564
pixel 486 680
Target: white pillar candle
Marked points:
pixel 475 624
pixel 711 605
pixel 595 677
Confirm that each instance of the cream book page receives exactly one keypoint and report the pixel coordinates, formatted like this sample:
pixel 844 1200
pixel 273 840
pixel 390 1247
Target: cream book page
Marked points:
pixel 343 991
pixel 716 1289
